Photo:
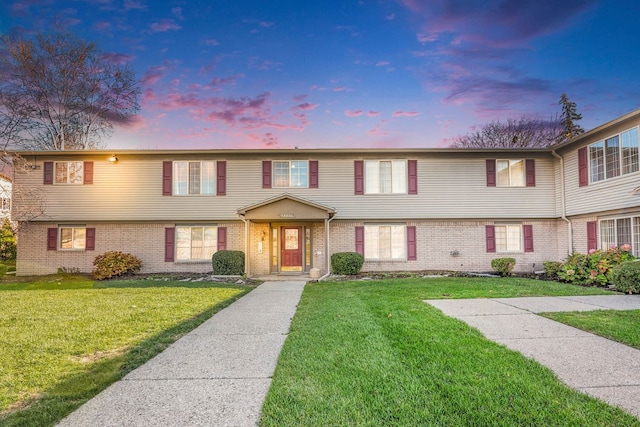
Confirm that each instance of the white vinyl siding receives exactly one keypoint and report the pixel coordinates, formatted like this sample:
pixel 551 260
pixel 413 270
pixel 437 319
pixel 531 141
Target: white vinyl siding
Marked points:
pixel 69 172
pixel 294 174
pixel 194 178
pixel 620 231
pixel 385 177
pixel 615 156
pixel 385 242
pixel 196 243
pixel 508 238
pixel 510 173
pixel 72 238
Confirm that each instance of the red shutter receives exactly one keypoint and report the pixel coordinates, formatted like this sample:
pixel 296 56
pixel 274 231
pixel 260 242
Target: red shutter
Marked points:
pixel 222 238
pixel 592 235
pixel 167 178
pixel 52 239
pixel 491 238
pixel 48 173
pixel 169 244
pixel 412 247
pixel 583 167
pixel 266 174
pixel 90 242
pixel 413 176
pixel 530 172
pixel 360 240
pixel 221 183
pixel 88 172
pixel 358 167
pixel 313 174
pixel 491 172
pixel 527 230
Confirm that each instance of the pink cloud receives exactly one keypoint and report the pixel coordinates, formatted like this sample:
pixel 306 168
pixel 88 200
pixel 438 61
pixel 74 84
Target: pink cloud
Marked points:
pixel 339 88
pixel 382 63
pixel 265 24
pixel 353 113
pixel 164 25
pixel 426 38
pixel 373 113
pixel 135 122
pixel 134 4
pixel 102 26
pixel 152 75
pixel 299 98
pixel 378 131
pixel 306 106
pixel 117 58
pixel 405 114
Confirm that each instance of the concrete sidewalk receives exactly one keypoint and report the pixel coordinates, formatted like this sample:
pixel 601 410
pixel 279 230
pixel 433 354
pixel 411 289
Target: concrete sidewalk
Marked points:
pixel 216 375
pixel 597 366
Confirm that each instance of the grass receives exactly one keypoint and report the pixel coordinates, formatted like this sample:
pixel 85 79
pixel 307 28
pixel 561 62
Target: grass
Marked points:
pixel 621 326
pixel 372 353
pixel 62 341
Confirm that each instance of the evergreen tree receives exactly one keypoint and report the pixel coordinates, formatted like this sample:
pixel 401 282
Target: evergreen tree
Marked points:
pixel 7 241
pixel 568 119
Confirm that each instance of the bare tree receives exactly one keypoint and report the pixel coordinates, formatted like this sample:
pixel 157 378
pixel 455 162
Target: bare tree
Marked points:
pixel 525 132
pixel 58 92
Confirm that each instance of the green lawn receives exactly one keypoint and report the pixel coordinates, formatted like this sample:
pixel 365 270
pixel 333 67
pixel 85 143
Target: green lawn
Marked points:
pixel 372 353
pixel 62 341
pixel 621 326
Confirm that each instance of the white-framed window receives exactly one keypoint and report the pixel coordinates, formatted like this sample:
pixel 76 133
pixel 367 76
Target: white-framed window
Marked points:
pixel 385 177
pixel 6 204
pixel 194 178
pixel 510 173
pixel 72 238
pixel 69 172
pixel 291 173
pixel 614 156
pixel 508 237
pixel 196 242
pixel 617 232
pixel 385 242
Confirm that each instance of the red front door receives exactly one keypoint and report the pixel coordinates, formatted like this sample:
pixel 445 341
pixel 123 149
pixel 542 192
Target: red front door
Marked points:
pixel 291 249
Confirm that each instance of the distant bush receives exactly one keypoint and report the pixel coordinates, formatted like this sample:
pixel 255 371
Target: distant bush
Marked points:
pixel 347 263
pixel 228 263
pixel 503 266
pixel 8 247
pixel 626 277
pixel 551 268
pixel 115 264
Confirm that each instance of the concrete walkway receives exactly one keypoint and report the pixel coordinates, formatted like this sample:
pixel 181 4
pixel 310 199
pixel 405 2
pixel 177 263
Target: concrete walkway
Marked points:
pixel 216 375
pixel 597 366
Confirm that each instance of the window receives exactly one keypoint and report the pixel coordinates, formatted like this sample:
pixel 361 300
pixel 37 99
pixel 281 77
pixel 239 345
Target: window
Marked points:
pixel 196 243
pixel 6 204
pixel 294 173
pixel 385 177
pixel 193 178
pixel 73 238
pixel 508 238
pixel 69 172
pixel 385 242
pixel 615 156
pixel 620 231
pixel 510 173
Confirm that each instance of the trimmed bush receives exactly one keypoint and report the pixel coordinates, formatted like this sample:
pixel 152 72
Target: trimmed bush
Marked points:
pixel 503 266
pixel 347 263
pixel 115 264
pixel 228 263
pixel 626 277
pixel 551 268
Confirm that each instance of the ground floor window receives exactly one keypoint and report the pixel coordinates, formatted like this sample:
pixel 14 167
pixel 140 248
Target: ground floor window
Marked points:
pixel 509 238
pixel 385 242
pixel 73 238
pixel 617 232
pixel 196 242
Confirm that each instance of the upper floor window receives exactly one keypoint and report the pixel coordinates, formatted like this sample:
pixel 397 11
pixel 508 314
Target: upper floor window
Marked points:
pixel 510 173
pixel 197 177
pixel 614 156
pixel 69 173
pixel 293 173
pixel 385 176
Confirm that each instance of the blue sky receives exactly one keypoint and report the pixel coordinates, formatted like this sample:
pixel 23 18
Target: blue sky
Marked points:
pixel 351 73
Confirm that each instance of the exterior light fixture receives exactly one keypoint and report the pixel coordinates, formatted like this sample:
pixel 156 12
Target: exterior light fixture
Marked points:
pixel 113 158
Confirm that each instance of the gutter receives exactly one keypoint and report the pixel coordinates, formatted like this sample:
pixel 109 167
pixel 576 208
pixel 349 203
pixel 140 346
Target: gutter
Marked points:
pixel 326 249
pixel 246 245
pixel 563 202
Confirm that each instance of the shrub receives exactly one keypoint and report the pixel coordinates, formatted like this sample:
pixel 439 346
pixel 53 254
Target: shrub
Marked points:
pixel 8 247
pixel 626 277
pixel 347 263
pixel 115 264
pixel 551 268
pixel 595 267
pixel 228 263
pixel 503 266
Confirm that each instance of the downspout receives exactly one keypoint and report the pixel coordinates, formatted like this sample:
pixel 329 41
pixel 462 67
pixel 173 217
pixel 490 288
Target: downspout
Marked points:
pixel 562 201
pixel 326 249
pixel 246 245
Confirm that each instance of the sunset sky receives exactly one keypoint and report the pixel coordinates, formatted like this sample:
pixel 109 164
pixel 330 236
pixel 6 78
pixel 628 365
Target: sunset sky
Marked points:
pixel 351 73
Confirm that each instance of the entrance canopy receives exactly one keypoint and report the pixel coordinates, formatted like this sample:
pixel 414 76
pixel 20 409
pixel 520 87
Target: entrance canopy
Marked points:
pixel 286 207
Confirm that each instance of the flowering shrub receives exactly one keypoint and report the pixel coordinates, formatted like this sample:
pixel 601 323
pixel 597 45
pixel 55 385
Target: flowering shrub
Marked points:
pixel 594 268
pixel 115 263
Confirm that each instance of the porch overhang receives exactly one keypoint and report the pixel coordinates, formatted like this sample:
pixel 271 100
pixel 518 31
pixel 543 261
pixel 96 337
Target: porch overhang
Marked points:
pixel 286 207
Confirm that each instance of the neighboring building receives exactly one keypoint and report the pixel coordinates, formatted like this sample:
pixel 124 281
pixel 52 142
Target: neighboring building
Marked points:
pixel 290 209
pixel 5 197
